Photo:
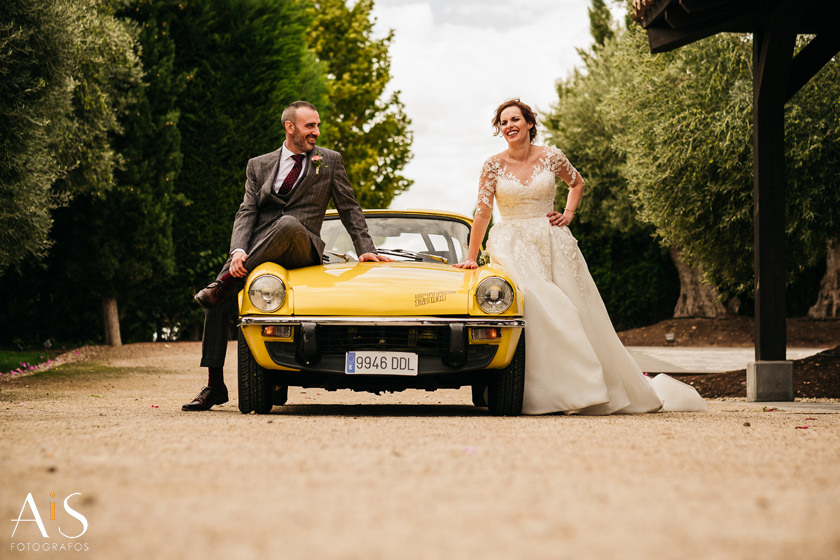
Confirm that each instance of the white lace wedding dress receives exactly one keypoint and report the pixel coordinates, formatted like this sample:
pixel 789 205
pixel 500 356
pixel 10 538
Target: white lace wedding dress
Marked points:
pixel 574 361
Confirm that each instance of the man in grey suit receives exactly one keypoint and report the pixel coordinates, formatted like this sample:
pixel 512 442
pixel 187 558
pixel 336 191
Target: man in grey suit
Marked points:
pixel 286 195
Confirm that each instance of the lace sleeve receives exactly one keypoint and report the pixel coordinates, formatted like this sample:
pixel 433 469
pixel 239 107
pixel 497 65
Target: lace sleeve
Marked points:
pixel 487 187
pixel 561 167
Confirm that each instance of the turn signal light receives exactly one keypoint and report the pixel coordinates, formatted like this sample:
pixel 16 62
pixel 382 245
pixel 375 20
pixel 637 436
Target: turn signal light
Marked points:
pixel 487 333
pixel 277 332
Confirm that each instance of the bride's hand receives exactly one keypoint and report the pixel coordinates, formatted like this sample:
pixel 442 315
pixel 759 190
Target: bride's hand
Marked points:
pixel 558 219
pixel 466 264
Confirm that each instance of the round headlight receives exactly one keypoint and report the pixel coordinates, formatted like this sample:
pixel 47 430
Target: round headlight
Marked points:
pixel 494 295
pixel 267 293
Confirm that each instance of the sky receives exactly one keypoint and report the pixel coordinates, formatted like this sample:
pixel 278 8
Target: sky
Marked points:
pixel 454 63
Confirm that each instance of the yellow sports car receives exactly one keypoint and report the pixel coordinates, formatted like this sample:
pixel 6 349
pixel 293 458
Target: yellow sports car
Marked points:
pixel 415 323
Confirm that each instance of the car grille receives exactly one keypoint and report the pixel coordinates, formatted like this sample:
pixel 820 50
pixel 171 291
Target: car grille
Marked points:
pixel 422 340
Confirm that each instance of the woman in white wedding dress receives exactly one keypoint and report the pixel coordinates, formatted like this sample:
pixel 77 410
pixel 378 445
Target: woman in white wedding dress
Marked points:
pixel 574 361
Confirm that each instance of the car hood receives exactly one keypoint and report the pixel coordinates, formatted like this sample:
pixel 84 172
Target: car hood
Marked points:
pixel 387 289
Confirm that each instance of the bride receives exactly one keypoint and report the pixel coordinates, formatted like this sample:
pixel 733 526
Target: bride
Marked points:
pixel 574 360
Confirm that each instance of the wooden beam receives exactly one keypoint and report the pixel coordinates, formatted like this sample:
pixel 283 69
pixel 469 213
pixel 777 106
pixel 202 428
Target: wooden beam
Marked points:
pixel 677 18
pixel 818 16
pixel 654 11
pixel 691 6
pixel 663 39
pixel 676 23
pixel 694 6
pixel 811 59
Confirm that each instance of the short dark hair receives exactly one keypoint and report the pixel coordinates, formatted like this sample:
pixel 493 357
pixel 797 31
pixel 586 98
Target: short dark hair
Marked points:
pixel 530 116
pixel 290 111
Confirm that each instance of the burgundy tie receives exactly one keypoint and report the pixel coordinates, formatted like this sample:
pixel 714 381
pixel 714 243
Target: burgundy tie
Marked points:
pixel 293 175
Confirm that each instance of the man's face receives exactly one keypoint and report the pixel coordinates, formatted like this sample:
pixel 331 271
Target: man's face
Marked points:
pixel 303 134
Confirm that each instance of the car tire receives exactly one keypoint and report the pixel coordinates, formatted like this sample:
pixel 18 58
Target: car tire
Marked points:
pixel 280 395
pixel 256 391
pixel 507 387
pixel 479 394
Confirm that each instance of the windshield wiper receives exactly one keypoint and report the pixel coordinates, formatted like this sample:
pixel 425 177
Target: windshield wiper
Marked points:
pixel 437 258
pixel 412 255
pixel 328 256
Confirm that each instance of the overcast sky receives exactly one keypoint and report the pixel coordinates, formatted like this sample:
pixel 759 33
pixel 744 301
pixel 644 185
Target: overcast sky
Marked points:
pixel 454 62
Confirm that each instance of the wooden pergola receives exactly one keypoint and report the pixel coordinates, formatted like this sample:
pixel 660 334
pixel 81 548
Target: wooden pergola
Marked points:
pixel 777 76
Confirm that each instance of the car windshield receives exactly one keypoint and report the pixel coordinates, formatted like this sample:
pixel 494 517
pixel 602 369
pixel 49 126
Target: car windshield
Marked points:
pixel 413 238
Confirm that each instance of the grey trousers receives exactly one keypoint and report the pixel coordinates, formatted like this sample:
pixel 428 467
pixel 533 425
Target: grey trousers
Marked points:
pixel 286 243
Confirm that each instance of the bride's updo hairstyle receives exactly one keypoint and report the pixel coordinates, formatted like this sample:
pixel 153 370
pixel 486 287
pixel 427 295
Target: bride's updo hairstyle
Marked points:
pixel 530 116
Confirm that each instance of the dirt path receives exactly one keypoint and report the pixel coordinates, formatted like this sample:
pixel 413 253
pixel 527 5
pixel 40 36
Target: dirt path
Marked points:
pixel 413 475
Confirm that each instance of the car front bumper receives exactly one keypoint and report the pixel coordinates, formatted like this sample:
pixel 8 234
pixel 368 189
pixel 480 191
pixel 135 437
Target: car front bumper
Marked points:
pixel 444 345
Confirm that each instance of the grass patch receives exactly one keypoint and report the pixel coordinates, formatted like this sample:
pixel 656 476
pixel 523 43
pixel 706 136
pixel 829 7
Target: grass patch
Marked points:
pixel 56 381
pixel 77 370
pixel 12 360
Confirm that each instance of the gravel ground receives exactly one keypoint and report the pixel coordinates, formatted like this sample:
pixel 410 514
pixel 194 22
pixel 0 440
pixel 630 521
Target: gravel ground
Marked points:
pixel 412 475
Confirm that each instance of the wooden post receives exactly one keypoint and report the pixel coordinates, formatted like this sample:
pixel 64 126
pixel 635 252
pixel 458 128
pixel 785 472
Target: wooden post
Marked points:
pixel 772 54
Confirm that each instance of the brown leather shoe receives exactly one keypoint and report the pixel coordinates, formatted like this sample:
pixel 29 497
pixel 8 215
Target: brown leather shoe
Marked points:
pixel 208 397
pixel 212 295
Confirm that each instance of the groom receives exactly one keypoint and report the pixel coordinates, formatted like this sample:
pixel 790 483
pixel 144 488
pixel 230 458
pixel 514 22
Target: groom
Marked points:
pixel 279 220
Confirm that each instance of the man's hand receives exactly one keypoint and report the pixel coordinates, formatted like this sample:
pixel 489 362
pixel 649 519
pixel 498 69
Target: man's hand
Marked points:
pixel 371 257
pixel 237 261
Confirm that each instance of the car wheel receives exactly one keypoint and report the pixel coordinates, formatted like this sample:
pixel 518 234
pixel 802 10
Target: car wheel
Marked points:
pixel 479 394
pixel 255 386
pixel 506 387
pixel 281 395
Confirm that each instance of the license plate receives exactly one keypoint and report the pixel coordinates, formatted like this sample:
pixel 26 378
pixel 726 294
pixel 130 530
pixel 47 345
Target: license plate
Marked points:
pixel 380 363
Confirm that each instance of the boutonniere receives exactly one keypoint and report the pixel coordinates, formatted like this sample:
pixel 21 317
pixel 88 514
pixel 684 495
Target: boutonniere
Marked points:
pixel 318 162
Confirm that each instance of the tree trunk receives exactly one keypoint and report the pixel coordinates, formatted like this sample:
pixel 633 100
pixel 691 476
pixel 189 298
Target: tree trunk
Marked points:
pixel 697 298
pixel 111 320
pixel 828 302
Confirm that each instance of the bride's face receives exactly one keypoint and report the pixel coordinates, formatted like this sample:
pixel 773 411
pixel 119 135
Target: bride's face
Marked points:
pixel 514 126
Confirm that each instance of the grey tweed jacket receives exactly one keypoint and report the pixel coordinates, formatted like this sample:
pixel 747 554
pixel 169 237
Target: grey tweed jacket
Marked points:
pixel 308 201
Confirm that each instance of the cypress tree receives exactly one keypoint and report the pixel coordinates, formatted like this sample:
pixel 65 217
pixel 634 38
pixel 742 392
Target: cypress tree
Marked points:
pixel 244 61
